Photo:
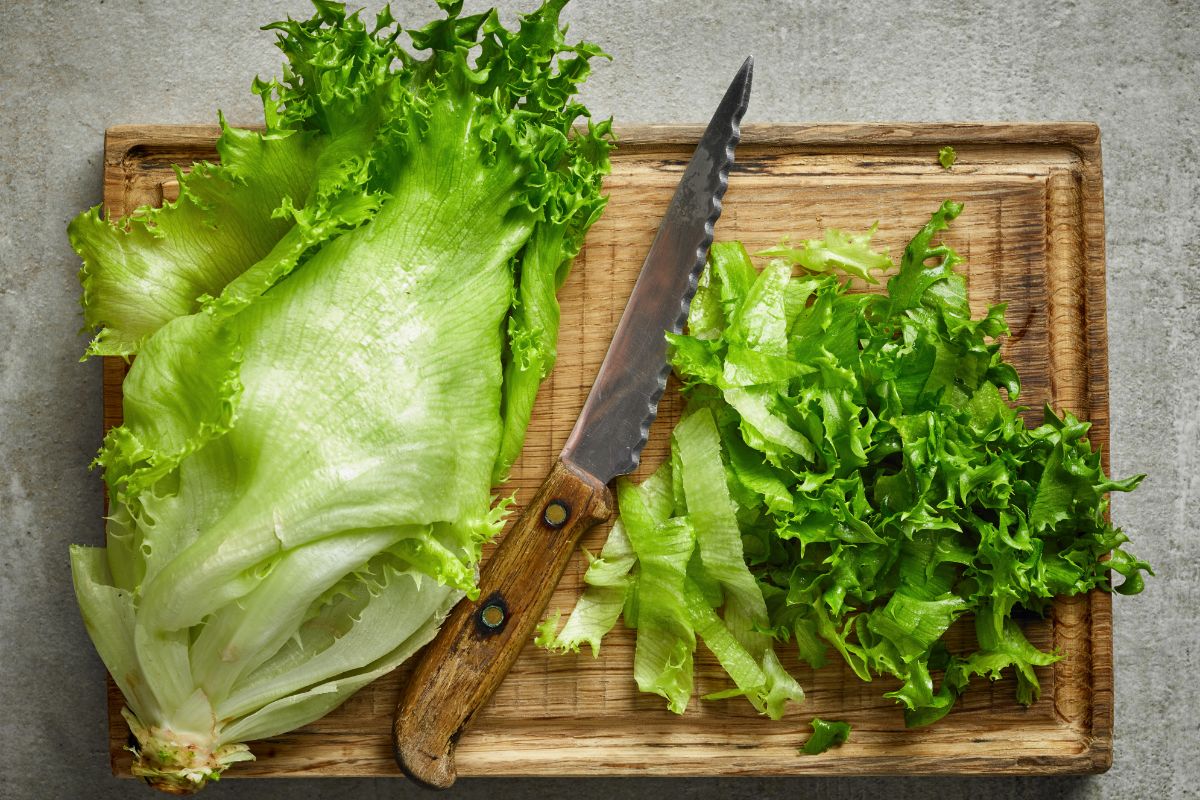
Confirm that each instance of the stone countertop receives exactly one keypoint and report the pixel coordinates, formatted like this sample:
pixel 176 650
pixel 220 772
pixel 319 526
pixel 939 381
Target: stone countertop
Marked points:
pixel 68 70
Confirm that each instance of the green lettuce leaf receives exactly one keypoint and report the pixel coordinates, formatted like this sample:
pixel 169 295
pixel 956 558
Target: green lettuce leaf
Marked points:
pixel 849 253
pixel 607 583
pixel 155 265
pixel 826 734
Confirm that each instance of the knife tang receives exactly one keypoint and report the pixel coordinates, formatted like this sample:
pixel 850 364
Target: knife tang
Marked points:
pixel 458 672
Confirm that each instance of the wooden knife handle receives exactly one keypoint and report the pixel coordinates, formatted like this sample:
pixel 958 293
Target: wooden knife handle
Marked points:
pixel 479 642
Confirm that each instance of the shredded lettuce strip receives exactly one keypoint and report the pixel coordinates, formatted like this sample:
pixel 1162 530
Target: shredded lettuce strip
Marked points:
pixel 678 529
pixel 854 481
pixel 340 330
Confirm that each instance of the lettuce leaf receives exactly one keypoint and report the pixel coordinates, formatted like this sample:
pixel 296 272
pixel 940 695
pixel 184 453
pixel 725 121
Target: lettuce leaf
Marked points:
pixel 339 334
pixel 826 734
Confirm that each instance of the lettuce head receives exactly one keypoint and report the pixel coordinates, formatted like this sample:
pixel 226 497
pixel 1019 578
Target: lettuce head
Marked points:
pixel 339 332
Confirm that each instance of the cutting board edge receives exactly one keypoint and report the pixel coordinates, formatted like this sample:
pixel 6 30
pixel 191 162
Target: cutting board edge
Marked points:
pixel 1089 761
pixel 1081 138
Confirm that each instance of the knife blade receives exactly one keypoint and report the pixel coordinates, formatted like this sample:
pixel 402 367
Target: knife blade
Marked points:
pixel 480 640
pixel 611 430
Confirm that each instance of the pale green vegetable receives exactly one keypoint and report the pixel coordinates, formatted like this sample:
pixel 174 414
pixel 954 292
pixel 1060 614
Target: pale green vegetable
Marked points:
pixel 850 253
pixel 339 334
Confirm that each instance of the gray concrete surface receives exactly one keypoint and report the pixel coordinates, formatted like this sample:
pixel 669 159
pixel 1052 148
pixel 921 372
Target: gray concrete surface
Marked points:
pixel 68 70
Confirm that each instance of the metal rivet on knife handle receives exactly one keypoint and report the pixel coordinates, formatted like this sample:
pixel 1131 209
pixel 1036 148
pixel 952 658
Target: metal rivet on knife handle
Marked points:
pixel 556 514
pixel 492 615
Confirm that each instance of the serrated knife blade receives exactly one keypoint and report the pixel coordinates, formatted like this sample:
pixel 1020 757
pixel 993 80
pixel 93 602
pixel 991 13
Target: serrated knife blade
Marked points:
pixel 611 430
pixel 481 639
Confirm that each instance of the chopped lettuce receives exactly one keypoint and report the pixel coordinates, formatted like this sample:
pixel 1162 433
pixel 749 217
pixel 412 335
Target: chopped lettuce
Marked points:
pixel 947 156
pixel 863 465
pixel 339 334
pixel 849 253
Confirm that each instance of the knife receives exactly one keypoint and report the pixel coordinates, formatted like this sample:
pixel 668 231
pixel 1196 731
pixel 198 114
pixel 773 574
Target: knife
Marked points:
pixel 480 640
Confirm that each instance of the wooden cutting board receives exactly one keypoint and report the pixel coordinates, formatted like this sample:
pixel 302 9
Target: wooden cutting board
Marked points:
pixel 1033 237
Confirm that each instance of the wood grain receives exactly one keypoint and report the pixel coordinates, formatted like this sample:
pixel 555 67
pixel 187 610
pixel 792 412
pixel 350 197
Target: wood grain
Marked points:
pixel 1033 237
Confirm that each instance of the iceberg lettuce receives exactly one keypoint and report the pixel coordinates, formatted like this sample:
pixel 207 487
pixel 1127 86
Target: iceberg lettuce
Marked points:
pixel 339 333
